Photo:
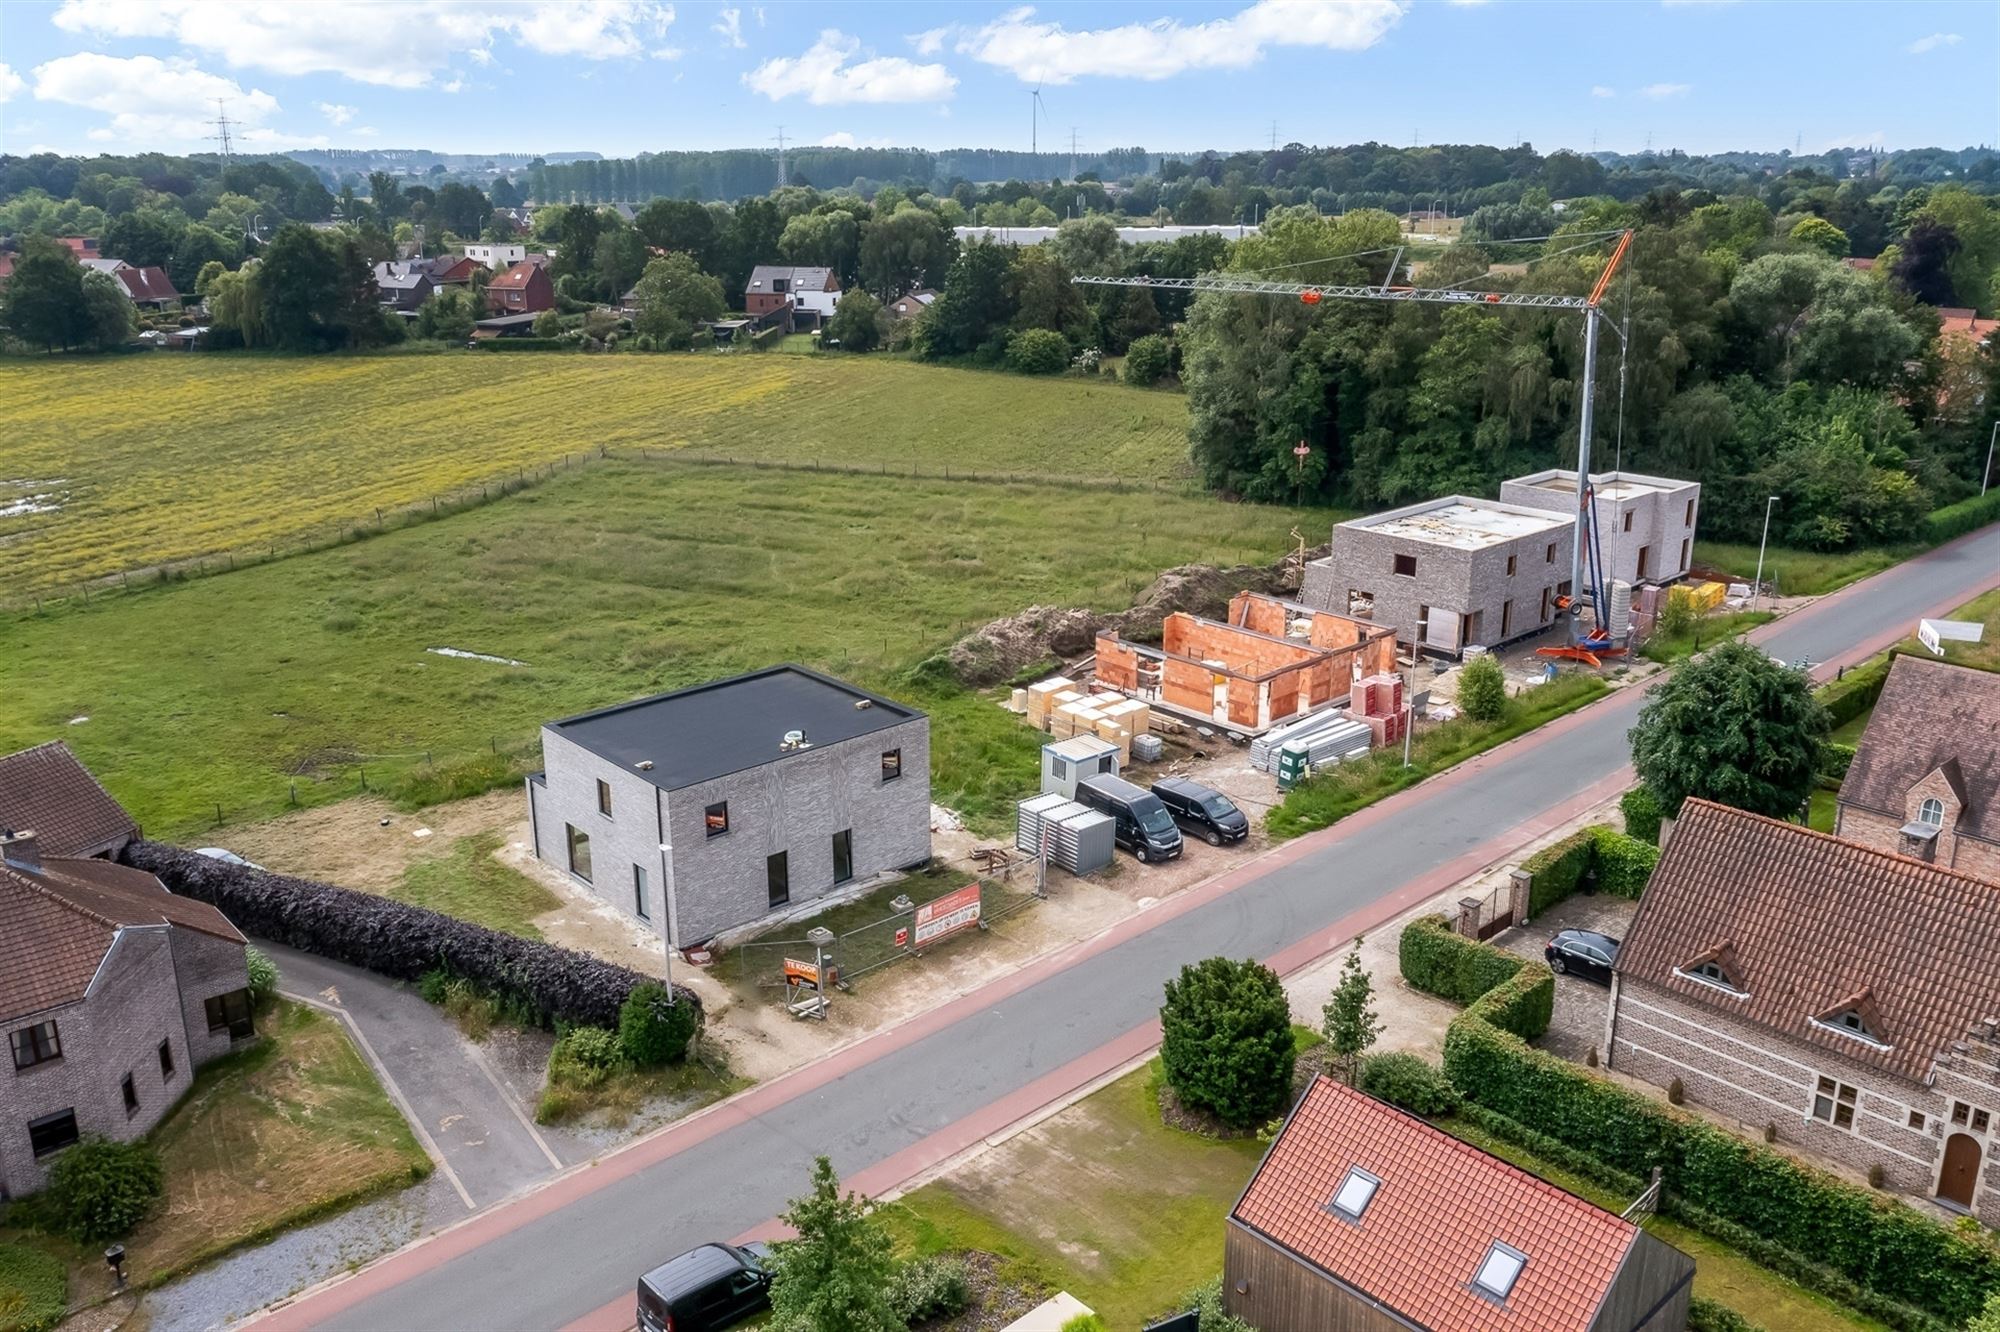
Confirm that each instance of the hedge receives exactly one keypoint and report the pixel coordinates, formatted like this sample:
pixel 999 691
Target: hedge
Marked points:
pixel 1892 1255
pixel 1708 1316
pixel 1834 761
pixel 528 344
pixel 1968 515
pixel 399 940
pixel 1435 959
pixel 1855 691
pixel 1623 866
pixel 1642 814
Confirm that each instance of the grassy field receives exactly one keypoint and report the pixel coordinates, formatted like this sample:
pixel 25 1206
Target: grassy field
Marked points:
pixel 157 459
pixel 607 582
pixel 1800 573
pixel 1709 630
pixel 470 884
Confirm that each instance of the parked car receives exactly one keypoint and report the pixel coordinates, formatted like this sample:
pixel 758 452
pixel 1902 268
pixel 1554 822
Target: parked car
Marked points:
pixel 226 856
pixel 1140 823
pixel 1202 810
pixel 706 1289
pixel 1582 953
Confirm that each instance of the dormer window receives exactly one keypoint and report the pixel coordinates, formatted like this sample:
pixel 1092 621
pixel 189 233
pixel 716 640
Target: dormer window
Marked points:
pixel 1856 1018
pixel 1851 1022
pixel 1931 812
pixel 1356 1191
pixel 1500 1270
pixel 1717 967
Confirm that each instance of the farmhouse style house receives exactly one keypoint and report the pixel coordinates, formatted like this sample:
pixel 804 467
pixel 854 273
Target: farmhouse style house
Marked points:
pixel 523 289
pixel 1365 1219
pixel 1925 780
pixel 46 789
pixel 1844 997
pixel 705 809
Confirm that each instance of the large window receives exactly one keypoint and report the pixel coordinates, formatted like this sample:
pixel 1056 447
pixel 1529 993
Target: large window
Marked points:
pixel 843 855
pixel 231 1011
pixel 52 1133
pixel 36 1045
pixel 1931 812
pixel 639 892
pixel 1833 1103
pixel 579 852
pixel 604 797
pixel 778 877
pixel 892 764
pixel 716 818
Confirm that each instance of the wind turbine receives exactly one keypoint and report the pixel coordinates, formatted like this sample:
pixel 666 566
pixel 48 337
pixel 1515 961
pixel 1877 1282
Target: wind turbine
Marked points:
pixel 1037 108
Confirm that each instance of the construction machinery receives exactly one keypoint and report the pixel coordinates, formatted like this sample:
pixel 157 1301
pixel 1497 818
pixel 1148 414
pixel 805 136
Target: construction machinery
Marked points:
pixel 1590 644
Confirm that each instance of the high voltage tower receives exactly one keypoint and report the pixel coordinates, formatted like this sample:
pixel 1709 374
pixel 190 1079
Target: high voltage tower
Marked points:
pixel 783 175
pixel 222 122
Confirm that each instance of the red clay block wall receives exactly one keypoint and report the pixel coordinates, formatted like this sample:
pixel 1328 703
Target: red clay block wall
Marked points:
pixel 1117 663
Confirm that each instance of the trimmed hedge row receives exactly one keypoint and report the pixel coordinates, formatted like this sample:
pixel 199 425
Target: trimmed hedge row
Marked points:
pixel 1968 515
pixel 1642 814
pixel 1708 1316
pixel 1623 865
pixel 1835 759
pixel 1887 1250
pixel 1855 691
pixel 399 940
pixel 1437 960
pixel 1557 870
pixel 528 344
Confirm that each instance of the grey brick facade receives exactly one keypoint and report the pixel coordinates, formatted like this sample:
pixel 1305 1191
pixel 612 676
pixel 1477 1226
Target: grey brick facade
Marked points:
pixel 655 846
pixel 1645 524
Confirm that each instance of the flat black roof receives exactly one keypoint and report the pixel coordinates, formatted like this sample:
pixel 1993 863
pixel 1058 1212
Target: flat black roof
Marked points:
pixel 711 730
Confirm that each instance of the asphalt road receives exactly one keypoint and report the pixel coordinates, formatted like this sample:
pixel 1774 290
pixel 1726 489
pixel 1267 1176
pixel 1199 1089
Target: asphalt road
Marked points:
pixel 563 1265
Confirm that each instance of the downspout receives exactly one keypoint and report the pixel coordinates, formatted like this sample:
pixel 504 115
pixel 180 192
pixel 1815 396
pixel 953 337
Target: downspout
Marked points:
pixel 1611 1021
pixel 670 907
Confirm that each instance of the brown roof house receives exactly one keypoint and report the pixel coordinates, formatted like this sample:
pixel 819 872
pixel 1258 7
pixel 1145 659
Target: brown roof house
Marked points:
pixel 912 303
pixel 148 286
pixel 806 295
pixel 1925 780
pixel 112 992
pixel 1365 1219
pixel 1844 997
pixel 46 789
pixel 523 289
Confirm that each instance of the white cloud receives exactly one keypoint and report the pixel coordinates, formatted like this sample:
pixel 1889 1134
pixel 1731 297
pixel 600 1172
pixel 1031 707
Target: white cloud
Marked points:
pixel 336 113
pixel 455 84
pixel 824 76
pixel 1046 52
pixel 838 139
pixel 151 101
pixel 1660 92
pixel 730 24
pixel 930 43
pixel 392 43
pixel 1925 45
pixel 1469 4
pixel 759 12
pixel 1599 90
pixel 10 83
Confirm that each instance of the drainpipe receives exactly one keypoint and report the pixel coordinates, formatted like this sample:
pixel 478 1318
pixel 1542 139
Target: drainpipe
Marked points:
pixel 666 884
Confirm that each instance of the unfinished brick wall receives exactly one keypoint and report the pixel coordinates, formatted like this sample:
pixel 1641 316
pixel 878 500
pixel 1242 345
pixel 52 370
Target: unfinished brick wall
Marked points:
pixel 1186 684
pixel 1117 663
pixel 1249 654
pixel 1266 615
pixel 1243 710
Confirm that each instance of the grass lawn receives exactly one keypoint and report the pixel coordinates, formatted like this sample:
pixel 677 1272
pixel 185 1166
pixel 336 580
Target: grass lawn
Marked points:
pixel 471 885
pixel 277 1134
pixel 1103 1201
pixel 155 459
pixel 1821 810
pixel 1721 1274
pixel 1800 573
pixel 1710 630
pixel 608 582
pixel 1984 655
pixel 1331 796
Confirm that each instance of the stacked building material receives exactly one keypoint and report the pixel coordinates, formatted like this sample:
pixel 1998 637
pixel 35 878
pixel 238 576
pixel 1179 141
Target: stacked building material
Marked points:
pixel 1147 748
pixel 1377 702
pixel 1336 726
pixel 1028 817
pixel 1042 699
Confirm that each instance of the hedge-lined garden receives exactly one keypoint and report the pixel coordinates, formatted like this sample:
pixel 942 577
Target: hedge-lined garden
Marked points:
pixel 554 985
pixel 1621 863
pixel 1438 960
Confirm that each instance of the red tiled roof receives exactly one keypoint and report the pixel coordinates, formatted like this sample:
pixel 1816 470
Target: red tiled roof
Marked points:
pixel 1931 715
pixel 1815 926
pixel 6 265
pixel 45 790
pixel 1441 1205
pixel 1966 324
pixel 57 923
pixel 147 284
pixel 517 276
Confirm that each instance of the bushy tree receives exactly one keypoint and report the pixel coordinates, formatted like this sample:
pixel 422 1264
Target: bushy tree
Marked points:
pixel 1038 351
pixel 972 310
pixel 100 1190
pixel 838 1272
pixel 1819 234
pixel 43 302
pixel 448 316
pixel 1732 726
pixel 909 249
pixel 1349 1021
pixel 1482 689
pixel 654 1027
pixel 857 323
pixel 674 296
pixel 1149 360
pixel 1226 1040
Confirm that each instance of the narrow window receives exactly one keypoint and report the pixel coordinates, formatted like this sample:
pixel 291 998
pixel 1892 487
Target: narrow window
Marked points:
pixel 778 877
pixel 1645 561
pixel 843 855
pixel 52 1133
pixel 1549 555
pixel 1059 767
pixel 1917 1120
pixel 1690 514
pixel 36 1045
pixel 639 892
pixel 579 852
pixel 1960 1113
pixel 166 1061
pixel 1979 1121
pixel 131 1096
pixel 1546 594
pixel 1510 566
pixel 1406 565
pixel 1628 520
pixel 892 764
pixel 230 1012
pixel 1833 1103
pixel 716 818
pixel 604 798
pixel 1931 812
pixel 1507 614
pixel 1687 549
pixel 1502 1268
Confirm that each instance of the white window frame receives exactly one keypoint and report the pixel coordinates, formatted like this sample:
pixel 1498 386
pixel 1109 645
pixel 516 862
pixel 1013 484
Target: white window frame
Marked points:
pixel 1924 808
pixel 1868 1039
pixel 1499 1250
pixel 1370 1184
pixel 1711 982
pixel 1833 1103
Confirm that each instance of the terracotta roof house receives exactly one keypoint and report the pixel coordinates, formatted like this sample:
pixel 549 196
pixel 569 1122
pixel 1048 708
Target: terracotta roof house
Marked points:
pixel 806 295
pixel 47 790
pixel 912 303
pixel 1363 1218
pixel 112 992
pixel 6 268
pixel 83 247
pixel 1957 322
pixel 523 289
pixel 148 286
pixel 1840 996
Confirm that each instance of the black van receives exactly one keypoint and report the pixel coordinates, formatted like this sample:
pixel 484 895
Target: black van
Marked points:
pixel 1202 810
pixel 704 1290
pixel 1141 823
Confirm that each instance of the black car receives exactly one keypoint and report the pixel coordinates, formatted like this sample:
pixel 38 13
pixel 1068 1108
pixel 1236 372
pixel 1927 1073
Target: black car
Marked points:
pixel 707 1289
pixel 1140 822
pixel 1582 953
pixel 1202 810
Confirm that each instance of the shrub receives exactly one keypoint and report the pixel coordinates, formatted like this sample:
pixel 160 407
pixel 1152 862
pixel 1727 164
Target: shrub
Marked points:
pixel 1205 1302
pixel 99 1190
pixel 1642 814
pixel 1676 1093
pixel 655 1026
pixel 1438 961
pixel 1149 360
pixel 583 1057
pixel 1038 351
pixel 263 974
pixel 1088 1322
pixel 1621 863
pixel 837 1272
pixel 543 983
pixel 1708 1316
pixel 1624 864
pixel 1968 515
pixel 1482 689
pixel 1226 1041
pixel 34 1289
pixel 1834 762
pixel 1557 870
pixel 927 1288
pixel 1410 1082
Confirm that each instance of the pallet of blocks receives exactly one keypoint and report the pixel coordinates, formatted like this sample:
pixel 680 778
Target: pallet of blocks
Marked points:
pixel 1132 714
pixel 1075 719
pixel 1109 730
pixel 1041 699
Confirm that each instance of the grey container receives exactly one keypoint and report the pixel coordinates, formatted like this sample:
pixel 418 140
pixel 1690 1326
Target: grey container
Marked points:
pixel 1087 838
pixel 1147 748
pixel 1028 816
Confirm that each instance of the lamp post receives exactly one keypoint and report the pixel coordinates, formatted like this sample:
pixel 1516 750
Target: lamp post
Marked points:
pixel 1986 476
pixel 1758 589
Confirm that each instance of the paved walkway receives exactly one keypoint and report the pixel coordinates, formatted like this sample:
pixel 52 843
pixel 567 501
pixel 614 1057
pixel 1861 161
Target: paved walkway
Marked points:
pixel 889 1106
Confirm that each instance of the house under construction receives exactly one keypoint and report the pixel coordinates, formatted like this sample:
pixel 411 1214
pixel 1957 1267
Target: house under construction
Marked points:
pixel 1272 661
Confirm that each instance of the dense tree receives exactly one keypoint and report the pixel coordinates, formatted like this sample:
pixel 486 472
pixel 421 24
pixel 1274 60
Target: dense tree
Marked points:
pixel 1042 296
pixel 317 292
pixel 680 225
pixel 859 323
pixel 505 193
pixel 108 315
pixel 1817 319
pixel 198 247
pixel 42 304
pixel 1817 233
pixel 620 259
pixel 1923 260
pixel 577 234
pixel 1735 727
pixel 902 252
pixel 448 316
pixel 1226 1040
pixel 1149 360
pixel 462 208
pixel 144 239
pixel 1038 351
pixel 825 240
pixel 674 296
pixel 836 1272
pixel 973 308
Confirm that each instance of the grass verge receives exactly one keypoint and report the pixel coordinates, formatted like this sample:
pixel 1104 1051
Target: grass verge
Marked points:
pixel 1710 630
pixel 34 1289
pixel 625 1092
pixel 1329 797
pixel 1821 810
pixel 1801 573
pixel 471 884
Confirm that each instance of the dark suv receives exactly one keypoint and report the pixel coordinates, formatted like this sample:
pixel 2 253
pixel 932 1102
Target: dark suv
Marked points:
pixel 707 1289
pixel 1202 810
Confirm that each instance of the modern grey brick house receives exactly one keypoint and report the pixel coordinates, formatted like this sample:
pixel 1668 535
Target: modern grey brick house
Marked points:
pixel 707 808
pixel 112 992
pixel 1645 524
pixel 1448 573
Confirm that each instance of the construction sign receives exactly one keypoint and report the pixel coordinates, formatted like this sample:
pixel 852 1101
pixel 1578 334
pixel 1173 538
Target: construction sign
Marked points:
pixel 942 917
pixel 801 973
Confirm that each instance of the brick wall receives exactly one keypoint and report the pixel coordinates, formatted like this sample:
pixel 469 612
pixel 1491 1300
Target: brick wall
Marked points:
pixel 1187 685
pixel 1953 850
pixel 1661 520
pixel 1466 582
pixel 626 840
pixel 1117 663
pixel 204 967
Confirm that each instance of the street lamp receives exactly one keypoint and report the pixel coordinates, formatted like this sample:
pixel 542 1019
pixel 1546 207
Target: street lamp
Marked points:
pixel 1986 476
pixel 1757 588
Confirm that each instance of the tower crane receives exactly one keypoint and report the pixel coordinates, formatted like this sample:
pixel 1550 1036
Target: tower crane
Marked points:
pixel 1586 563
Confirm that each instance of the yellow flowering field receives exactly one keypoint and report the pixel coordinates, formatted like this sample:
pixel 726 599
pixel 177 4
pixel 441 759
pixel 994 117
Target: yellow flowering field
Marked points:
pixel 113 464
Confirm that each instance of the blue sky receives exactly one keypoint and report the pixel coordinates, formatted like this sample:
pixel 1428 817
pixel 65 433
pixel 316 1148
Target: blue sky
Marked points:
pixel 623 76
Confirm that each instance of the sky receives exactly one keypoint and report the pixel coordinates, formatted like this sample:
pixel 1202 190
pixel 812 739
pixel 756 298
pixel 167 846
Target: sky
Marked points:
pixel 626 76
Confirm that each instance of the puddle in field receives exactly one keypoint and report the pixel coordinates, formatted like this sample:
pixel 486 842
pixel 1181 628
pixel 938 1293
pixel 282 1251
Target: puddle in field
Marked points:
pixel 37 500
pixel 463 655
